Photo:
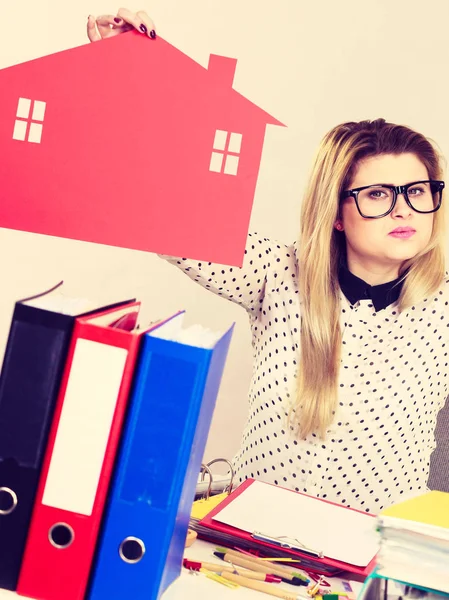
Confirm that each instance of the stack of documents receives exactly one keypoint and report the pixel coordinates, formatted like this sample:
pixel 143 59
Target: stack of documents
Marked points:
pixel 415 542
pixel 279 522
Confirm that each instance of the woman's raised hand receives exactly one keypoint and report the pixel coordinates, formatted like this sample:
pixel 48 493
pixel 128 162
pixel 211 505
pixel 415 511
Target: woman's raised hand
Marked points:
pixel 105 26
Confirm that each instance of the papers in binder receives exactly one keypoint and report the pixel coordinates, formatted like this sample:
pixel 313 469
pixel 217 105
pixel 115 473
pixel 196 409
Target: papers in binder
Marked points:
pixel 304 522
pixel 193 335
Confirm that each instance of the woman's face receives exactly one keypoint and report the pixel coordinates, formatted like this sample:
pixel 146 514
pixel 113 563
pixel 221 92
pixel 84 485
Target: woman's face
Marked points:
pixel 371 244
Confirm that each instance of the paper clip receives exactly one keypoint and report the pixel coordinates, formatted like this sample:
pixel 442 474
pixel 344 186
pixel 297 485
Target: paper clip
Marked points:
pixel 283 543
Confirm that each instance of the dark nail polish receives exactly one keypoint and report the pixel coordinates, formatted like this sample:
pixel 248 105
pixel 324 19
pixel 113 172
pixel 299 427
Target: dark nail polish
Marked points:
pixel 143 28
pixel 117 20
pixel 152 34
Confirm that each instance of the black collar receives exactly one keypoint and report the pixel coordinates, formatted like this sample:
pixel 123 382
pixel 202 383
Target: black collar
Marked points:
pixel 356 289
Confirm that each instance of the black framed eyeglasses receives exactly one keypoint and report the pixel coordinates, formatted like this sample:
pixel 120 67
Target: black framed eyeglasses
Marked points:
pixel 377 201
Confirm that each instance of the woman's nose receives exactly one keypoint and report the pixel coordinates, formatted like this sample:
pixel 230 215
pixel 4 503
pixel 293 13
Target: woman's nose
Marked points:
pixel 401 208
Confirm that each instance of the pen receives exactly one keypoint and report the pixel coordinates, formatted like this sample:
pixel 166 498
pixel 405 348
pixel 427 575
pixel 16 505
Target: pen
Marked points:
pixel 276 568
pixel 196 566
pixel 253 565
pixel 262 587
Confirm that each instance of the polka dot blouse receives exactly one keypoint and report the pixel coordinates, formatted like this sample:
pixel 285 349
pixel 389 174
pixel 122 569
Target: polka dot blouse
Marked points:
pixel 393 382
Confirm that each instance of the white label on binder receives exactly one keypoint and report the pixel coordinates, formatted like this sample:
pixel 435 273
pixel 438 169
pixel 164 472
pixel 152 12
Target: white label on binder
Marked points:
pixel 84 427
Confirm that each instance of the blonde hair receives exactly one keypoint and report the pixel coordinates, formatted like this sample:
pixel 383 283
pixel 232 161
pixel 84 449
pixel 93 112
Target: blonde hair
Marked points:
pixel 320 250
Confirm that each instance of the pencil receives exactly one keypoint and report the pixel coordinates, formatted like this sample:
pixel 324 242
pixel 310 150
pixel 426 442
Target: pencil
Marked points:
pixel 261 567
pixel 279 568
pixel 196 565
pixel 262 587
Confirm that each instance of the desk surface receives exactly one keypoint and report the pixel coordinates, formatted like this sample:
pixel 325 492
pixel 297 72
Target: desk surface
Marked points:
pixel 191 586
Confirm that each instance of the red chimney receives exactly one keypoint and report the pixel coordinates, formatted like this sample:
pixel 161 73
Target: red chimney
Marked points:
pixel 222 69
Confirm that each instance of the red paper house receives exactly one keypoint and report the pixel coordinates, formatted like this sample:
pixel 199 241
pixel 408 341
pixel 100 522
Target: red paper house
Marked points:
pixel 129 142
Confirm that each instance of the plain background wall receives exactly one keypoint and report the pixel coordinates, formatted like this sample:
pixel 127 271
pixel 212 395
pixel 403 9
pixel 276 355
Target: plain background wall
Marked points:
pixel 310 64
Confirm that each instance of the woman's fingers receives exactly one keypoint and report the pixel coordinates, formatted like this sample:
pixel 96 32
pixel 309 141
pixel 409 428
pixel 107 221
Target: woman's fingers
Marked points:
pixel 140 21
pixel 92 32
pixel 109 25
pixel 148 22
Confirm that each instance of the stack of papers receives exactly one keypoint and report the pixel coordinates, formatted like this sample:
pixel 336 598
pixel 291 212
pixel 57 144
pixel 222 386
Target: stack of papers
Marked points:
pixel 303 522
pixel 279 523
pixel 414 545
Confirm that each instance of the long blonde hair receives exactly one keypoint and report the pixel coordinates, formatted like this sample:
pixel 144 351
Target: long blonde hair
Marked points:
pixel 320 249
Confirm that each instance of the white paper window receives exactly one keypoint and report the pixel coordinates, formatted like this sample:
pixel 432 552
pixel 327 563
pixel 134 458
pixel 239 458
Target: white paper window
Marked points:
pixel 226 152
pixel 29 120
pixel 216 162
pixel 235 142
pixel 220 139
pixel 232 164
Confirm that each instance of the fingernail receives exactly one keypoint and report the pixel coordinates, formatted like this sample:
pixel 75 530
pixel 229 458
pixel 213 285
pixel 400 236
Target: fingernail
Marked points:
pixel 143 28
pixel 117 20
pixel 152 34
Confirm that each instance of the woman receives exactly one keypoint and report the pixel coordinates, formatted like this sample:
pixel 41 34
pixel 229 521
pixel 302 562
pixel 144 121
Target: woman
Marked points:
pixel 350 327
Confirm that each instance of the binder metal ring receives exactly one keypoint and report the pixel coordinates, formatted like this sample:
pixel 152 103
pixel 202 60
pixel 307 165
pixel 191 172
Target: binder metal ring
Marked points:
pixel 205 468
pixel 61 529
pixel 128 546
pixel 228 488
pixel 12 497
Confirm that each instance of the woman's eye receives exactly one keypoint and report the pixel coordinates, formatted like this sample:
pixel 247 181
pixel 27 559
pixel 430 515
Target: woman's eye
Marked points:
pixel 416 191
pixel 377 194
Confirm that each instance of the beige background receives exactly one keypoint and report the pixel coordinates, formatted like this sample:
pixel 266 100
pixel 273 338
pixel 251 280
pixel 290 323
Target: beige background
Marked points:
pixel 310 64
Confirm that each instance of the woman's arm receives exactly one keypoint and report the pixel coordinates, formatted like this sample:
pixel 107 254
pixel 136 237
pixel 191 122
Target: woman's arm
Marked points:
pixel 243 285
